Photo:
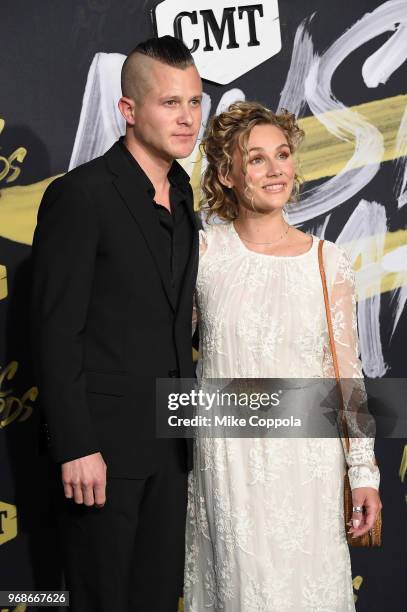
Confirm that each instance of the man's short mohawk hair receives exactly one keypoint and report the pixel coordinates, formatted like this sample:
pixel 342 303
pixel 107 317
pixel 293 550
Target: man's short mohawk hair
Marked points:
pixel 166 49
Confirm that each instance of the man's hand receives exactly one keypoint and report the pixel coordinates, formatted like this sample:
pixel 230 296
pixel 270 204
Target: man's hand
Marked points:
pixel 369 498
pixel 84 480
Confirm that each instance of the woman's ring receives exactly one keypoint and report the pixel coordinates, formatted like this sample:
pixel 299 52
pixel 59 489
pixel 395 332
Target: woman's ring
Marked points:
pixel 357 508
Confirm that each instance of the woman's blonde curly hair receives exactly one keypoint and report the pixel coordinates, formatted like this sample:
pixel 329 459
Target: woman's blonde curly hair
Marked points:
pixel 223 133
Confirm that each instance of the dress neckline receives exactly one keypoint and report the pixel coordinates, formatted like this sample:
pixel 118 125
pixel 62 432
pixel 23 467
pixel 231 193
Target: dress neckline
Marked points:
pixel 250 252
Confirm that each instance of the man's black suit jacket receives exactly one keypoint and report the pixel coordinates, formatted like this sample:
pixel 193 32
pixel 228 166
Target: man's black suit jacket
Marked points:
pixel 103 318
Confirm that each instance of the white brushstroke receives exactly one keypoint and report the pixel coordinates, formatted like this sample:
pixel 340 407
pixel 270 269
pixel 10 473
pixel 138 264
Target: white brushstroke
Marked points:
pixel 400 186
pixel 398 301
pixel 368 221
pixel 379 67
pixel 324 226
pixel 293 95
pixel 344 123
pixel 228 98
pixel 319 227
pixel 100 122
pixel 396 262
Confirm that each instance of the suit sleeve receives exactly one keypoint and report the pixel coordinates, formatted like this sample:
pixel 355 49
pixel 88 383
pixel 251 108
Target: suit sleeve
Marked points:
pixel 63 259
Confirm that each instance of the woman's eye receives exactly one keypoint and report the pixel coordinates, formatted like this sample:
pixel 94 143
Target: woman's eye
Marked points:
pixel 255 160
pixel 284 155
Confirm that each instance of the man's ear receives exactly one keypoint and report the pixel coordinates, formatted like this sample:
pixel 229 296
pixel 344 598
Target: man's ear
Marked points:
pixel 127 109
pixel 225 181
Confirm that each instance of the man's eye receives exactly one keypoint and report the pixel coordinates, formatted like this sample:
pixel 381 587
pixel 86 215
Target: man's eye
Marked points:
pixel 196 102
pixel 170 102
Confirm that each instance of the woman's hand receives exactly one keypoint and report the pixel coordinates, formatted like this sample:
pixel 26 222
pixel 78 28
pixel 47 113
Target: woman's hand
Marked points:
pixel 362 522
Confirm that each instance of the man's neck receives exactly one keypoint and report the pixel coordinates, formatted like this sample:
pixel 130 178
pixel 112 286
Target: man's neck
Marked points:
pixel 156 168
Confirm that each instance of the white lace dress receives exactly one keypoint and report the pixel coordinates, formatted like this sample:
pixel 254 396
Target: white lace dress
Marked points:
pixel 265 529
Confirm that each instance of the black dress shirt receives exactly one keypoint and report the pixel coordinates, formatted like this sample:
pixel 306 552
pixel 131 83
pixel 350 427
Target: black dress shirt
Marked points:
pixel 176 226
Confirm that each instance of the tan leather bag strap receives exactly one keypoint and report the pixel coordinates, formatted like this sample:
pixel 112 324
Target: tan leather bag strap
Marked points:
pixel 332 342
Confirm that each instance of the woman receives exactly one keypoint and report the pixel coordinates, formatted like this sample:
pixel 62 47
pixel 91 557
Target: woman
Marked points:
pixel 265 525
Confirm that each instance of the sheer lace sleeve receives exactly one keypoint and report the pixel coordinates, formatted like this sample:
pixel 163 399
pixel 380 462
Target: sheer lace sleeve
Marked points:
pixel 363 471
pixel 203 245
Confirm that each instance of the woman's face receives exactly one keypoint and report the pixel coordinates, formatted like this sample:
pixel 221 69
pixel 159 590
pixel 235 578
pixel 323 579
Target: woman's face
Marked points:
pixel 270 170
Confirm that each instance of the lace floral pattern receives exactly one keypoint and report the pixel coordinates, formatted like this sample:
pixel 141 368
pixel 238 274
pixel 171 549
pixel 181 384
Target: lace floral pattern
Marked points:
pixel 265 528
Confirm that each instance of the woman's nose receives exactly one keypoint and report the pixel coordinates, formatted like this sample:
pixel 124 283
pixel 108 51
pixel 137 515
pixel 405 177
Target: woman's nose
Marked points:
pixel 273 169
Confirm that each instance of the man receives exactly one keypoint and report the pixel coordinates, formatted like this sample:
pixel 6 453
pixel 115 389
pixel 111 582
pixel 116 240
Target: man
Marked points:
pixel 114 268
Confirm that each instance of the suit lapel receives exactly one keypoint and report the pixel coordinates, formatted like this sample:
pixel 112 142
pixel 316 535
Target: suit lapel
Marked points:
pixel 133 191
pixel 191 266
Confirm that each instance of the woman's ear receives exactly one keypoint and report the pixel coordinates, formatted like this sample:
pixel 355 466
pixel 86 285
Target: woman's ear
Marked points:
pixel 225 181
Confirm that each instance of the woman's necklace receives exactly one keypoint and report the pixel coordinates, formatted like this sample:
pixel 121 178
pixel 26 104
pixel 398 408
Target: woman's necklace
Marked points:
pixel 267 243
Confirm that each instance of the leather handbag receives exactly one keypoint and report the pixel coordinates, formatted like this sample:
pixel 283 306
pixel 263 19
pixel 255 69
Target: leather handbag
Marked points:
pixel 373 536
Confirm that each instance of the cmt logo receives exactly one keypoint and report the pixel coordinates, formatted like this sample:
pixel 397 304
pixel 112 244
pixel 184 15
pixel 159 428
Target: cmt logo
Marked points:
pixel 227 39
pixel 8 522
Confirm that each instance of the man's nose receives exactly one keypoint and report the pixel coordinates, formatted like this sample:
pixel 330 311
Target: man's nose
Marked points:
pixel 185 115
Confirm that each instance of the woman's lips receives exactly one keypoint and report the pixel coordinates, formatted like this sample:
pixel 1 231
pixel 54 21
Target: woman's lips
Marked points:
pixel 275 188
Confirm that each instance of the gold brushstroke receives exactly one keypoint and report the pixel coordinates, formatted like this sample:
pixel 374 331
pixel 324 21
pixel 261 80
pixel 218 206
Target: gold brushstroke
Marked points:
pixel 3 282
pixel 403 464
pixel 7 170
pixel 196 178
pixel 18 210
pixel 12 407
pixel 357 583
pixel 323 155
pixel 8 517
pixel 6 165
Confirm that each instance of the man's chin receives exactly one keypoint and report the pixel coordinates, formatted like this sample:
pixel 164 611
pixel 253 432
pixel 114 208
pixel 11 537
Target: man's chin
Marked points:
pixel 183 152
